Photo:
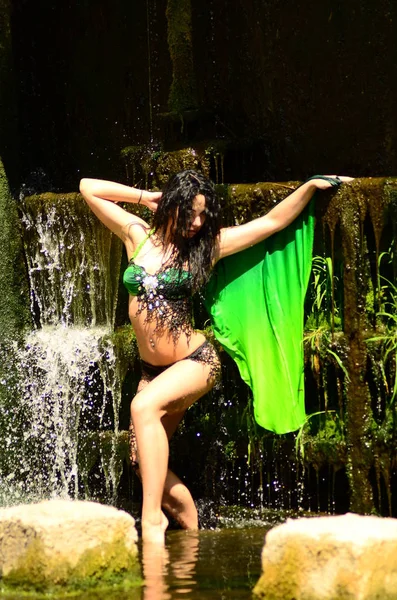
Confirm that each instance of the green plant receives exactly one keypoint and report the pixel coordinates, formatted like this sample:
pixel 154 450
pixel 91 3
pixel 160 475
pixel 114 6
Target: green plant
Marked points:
pixel 389 257
pixel 322 308
pixel 388 339
pixel 319 342
pixel 321 433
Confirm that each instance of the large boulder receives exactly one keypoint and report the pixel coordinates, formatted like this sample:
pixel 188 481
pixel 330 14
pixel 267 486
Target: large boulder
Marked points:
pixel 348 557
pixel 65 542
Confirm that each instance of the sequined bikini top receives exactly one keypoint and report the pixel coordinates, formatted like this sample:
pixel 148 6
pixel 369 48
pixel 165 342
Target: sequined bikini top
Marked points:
pixel 167 282
pixel 165 295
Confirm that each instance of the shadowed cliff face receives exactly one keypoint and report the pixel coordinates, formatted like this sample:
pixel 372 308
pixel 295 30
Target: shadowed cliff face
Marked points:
pixel 290 92
pixel 14 300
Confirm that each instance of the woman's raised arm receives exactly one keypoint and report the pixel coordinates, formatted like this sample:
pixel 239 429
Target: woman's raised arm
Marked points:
pixel 240 237
pixel 102 197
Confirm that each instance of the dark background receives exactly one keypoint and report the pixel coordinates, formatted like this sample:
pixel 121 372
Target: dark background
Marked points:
pixel 291 88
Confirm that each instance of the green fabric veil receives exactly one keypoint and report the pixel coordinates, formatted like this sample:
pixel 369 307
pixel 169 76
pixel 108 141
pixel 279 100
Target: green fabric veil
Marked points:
pixel 256 302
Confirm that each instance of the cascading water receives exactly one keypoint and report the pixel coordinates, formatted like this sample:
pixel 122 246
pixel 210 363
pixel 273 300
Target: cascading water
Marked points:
pixel 62 397
pixel 72 263
pixel 67 381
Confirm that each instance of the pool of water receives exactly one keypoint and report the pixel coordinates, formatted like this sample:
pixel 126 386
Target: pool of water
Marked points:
pixel 223 564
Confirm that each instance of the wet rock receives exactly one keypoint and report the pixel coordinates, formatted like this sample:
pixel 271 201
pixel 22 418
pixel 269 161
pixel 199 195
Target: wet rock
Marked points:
pixel 346 557
pixel 65 542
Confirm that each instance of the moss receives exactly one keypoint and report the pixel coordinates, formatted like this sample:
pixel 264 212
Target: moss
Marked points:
pixel 111 448
pixel 358 405
pixel 156 166
pixel 349 209
pixel 14 300
pixel 136 160
pixel 118 590
pixel 125 347
pixel 39 204
pixel 14 320
pixel 247 201
pixel 169 163
pixel 216 151
pixel 363 196
pixel 115 452
pixel 113 564
pixel 183 93
pixel 280 579
pixel 88 454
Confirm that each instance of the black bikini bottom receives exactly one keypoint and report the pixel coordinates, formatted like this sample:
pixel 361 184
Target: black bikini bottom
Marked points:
pixel 205 354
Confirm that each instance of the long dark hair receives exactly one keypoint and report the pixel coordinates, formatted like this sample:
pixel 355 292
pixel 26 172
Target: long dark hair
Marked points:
pixel 172 220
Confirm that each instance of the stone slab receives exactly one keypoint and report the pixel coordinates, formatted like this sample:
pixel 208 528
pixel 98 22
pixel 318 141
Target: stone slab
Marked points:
pixel 65 542
pixel 347 557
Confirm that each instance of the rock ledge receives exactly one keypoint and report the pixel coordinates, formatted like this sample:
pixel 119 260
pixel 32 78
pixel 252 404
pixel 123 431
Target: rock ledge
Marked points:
pixel 65 542
pixel 348 557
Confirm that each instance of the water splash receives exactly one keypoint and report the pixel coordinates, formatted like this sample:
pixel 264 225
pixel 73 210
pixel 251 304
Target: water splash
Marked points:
pixel 66 378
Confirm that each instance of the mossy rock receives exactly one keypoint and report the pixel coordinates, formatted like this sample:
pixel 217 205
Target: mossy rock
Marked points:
pixel 348 557
pixel 155 167
pixel 65 543
pixel 14 300
pixel 183 92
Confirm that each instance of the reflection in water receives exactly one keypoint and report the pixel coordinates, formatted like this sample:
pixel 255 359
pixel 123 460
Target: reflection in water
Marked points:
pixel 205 565
pixel 155 560
pixel 171 570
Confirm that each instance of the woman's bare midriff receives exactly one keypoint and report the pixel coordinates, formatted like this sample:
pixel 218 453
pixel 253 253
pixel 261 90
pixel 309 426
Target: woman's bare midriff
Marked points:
pixel 160 350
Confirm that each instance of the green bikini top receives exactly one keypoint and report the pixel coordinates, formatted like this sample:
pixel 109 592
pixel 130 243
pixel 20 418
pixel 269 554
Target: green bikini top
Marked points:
pixel 168 283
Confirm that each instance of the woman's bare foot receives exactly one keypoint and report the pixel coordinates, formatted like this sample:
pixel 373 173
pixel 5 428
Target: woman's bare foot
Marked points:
pixel 154 533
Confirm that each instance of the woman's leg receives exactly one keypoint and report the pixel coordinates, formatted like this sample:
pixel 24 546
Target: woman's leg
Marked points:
pixel 172 392
pixel 177 499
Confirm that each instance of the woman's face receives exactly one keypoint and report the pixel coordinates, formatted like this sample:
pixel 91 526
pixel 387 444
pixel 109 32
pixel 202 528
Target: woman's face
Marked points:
pixel 198 215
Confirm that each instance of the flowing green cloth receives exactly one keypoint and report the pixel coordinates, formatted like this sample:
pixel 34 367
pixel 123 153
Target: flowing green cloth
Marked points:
pixel 256 302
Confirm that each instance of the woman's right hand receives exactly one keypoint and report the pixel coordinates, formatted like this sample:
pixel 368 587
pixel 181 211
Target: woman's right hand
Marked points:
pixel 151 200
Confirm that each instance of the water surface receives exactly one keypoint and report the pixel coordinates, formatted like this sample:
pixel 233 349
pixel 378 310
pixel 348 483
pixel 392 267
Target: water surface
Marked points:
pixel 223 564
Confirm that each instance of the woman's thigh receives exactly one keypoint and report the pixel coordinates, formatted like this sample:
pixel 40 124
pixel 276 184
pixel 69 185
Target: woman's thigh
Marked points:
pixel 174 390
pixel 170 422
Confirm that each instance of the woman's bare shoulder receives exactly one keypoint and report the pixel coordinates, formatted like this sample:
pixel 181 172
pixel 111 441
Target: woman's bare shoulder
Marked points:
pixel 135 231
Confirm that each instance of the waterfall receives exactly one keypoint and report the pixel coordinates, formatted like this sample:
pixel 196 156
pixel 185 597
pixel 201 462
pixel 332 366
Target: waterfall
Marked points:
pixel 65 416
pixel 63 400
pixel 73 262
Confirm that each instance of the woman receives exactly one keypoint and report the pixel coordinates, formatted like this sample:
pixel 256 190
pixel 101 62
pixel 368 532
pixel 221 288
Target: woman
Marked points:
pixel 168 263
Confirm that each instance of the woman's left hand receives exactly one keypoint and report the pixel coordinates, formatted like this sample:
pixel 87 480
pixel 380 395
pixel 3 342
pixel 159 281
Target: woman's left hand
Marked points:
pixel 323 184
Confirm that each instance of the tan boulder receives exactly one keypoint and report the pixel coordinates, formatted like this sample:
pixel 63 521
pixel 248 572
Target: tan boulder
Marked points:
pixel 347 557
pixel 61 541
